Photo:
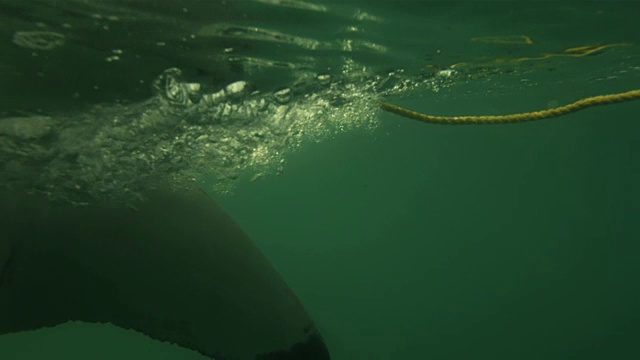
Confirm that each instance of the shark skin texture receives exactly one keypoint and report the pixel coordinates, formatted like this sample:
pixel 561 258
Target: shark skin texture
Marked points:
pixel 176 268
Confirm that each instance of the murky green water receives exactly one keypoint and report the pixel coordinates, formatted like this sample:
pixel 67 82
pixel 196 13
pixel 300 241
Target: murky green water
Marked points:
pixel 403 240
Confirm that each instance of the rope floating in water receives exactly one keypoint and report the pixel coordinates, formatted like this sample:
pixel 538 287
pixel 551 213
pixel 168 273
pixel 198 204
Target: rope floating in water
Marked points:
pixel 514 118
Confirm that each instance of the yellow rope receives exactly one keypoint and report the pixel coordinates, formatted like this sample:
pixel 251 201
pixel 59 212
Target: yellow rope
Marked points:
pixel 512 118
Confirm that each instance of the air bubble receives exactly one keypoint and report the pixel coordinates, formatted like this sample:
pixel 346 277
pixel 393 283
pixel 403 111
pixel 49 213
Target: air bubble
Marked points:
pixel 38 40
pixel 324 79
pixel 236 89
pixel 174 91
pixel 283 96
pixel 215 97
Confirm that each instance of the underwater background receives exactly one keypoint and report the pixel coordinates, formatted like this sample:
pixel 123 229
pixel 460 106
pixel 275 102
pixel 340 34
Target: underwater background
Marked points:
pixel 404 240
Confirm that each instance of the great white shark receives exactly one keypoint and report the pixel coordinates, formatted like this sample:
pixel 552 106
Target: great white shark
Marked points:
pixel 176 268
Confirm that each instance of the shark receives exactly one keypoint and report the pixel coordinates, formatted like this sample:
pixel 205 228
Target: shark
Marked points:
pixel 176 267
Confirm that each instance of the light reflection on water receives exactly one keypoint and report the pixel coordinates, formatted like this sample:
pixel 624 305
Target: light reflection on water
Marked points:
pixel 101 99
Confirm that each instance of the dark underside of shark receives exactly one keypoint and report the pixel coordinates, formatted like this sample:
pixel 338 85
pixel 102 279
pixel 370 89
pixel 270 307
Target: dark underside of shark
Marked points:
pixel 177 269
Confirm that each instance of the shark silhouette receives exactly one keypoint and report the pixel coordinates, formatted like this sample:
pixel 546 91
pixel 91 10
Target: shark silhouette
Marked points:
pixel 177 269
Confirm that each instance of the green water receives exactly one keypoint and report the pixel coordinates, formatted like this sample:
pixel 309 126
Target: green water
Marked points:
pixel 417 241
pixel 431 242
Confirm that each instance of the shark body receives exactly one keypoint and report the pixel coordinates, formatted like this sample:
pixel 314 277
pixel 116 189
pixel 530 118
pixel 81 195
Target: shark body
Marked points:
pixel 177 269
